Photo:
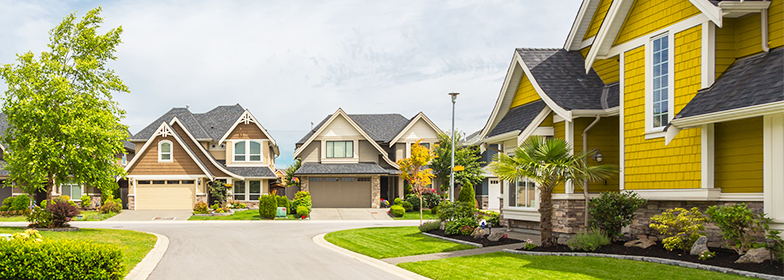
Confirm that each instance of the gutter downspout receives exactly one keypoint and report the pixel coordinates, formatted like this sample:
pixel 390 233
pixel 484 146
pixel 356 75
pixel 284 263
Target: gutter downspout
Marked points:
pixel 764 29
pixel 585 162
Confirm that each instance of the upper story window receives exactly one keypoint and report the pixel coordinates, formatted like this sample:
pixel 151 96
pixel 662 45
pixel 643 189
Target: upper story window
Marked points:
pixel 247 151
pixel 72 190
pixel 340 149
pixel 165 151
pixel 659 108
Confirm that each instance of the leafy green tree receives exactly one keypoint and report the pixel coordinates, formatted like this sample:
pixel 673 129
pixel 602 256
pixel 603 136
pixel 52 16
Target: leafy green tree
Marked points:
pixel 548 162
pixel 414 169
pixel 61 118
pixel 468 157
pixel 290 180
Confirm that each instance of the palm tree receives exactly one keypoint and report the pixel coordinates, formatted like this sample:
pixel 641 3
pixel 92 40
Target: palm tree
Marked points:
pixel 548 162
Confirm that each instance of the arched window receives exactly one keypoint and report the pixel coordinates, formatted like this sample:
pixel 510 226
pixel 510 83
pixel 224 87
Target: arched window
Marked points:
pixel 248 151
pixel 165 151
pixel 239 151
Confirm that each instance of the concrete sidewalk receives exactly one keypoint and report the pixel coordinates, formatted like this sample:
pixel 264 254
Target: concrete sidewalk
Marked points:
pixel 349 214
pixel 151 215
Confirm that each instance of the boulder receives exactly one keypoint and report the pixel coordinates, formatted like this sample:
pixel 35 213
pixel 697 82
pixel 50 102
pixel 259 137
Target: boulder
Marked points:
pixel 758 255
pixel 443 226
pixel 478 233
pixel 495 236
pixel 640 243
pixel 700 246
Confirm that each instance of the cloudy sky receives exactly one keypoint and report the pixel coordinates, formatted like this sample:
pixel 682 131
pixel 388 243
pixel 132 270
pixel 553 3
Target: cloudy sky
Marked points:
pixel 294 62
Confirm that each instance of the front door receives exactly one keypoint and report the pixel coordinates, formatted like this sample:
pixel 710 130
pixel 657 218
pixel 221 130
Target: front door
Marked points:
pixel 493 192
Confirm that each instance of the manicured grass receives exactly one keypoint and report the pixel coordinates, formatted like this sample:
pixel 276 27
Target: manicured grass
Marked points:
pixel 511 266
pixel 415 215
pixel 241 215
pixel 88 216
pixel 391 242
pixel 134 245
pixel 21 218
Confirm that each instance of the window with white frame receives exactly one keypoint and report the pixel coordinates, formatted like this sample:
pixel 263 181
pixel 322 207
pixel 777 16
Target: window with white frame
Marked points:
pixel 248 151
pixel 165 151
pixel 72 190
pixel 340 149
pixel 247 190
pixel 239 190
pixel 426 145
pixel 254 190
pixel 659 108
pixel 522 194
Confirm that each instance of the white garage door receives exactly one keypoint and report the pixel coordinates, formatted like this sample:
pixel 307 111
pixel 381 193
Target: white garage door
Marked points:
pixel 165 194
pixel 343 192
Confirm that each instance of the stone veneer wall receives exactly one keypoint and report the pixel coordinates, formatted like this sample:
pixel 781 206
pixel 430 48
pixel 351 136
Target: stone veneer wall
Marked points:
pixel 482 201
pixel 201 198
pixel 375 187
pixel 131 202
pixel 303 184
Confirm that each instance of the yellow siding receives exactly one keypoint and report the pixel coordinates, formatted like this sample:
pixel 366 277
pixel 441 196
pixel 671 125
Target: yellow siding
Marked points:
pixel 776 23
pixel 725 46
pixel 598 17
pixel 585 51
pixel 604 137
pixel 687 65
pixel 741 37
pixel 548 122
pixel 560 133
pixel 525 93
pixel 647 16
pixel 607 69
pixel 649 163
pixel 738 157
pixel 748 37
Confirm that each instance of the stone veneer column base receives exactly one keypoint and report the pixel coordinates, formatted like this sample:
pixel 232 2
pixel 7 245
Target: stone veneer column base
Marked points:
pixel 375 187
pixel 303 184
pixel 482 201
pixel 131 203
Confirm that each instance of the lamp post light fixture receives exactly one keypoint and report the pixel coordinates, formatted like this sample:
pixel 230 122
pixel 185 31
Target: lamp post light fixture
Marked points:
pixel 452 169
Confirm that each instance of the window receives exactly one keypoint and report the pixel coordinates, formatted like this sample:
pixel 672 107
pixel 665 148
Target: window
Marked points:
pixel 159 182
pixel 143 182
pixel 239 190
pixel 165 151
pixel 72 190
pixel 364 179
pixel 247 190
pixel 315 179
pixel 218 147
pixel 340 149
pixel 247 151
pixel 426 145
pixel 172 182
pixel 124 159
pixel 255 190
pixel 188 181
pixel 347 179
pixel 332 179
pixel 523 194
pixel 660 98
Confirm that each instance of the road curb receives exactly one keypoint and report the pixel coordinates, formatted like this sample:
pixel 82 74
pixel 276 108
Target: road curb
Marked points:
pixel 151 260
pixel 391 269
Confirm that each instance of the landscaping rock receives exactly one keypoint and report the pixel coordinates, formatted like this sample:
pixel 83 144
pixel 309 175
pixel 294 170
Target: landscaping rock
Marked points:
pixel 495 236
pixel 758 255
pixel 443 226
pixel 640 243
pixel 700 246
pixel 478 233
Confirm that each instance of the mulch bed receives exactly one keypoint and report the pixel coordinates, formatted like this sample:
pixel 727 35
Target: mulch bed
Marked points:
pixel 724 257
pixel 483 241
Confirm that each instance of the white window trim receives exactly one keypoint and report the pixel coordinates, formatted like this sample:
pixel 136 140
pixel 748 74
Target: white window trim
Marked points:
pixel 171 151
pixel 71 185
pixel 247 150
pixel 508 202
pixel 353 149
pixel 650 131
pixel 247 192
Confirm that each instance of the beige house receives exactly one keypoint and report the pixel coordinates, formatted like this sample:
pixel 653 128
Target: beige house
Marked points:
pixel 348 161
pixel 181 153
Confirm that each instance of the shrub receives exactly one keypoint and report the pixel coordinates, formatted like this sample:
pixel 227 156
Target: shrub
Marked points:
pixel 302 198
pixel 432 199
pixel 588 241
pixel 467 194
pixel 429 226
pixel 491 217
pixel 283 201
pixel 414 201
pixel 398 201
pixel 86 201
pixel 455 211
pixel 397 210
pixel 111 205
pixel 267 206
pixel 40 218
pixel 43 204
pixel 706 255
pixel 738 225
pixel 201 208
pixel 218 191
pixel 4 208
pixel 303 211
pixel 610 212
pixel 8 201
pixel 434 210
pixel 62 212
pixel 21 202
pixel 60 259
pixel 529 245
pixel 466 230
pixel 682 230
pixel 408 206
pixel 454 227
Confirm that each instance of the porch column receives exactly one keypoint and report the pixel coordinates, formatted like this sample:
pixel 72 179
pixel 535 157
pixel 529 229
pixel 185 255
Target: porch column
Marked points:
pixel 773 168
pixel 303 184
pixel 375 186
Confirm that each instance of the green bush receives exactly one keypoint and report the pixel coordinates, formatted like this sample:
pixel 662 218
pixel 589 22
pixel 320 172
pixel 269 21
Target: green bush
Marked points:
pixel 302 198
pixel 111 206
pixel 610 212
pixel 8 201
pixel 408 206
pixel 303 211
pixel 267 206
pixel 434 210
pixel 491 217
pixel 455 211
pixel 414 201
pixel 60 259
pixel 398 201
pixel 588 241
pixel 455 226
pixel 283 201
pixel 21 202
pixel 397 210
pixel 3 208
pixel 62 212
pixel 432 200
pixel 739 226
pixel 40 218
pixel 429 226
pixel 201 208
pixel 467 195
pixel 86 201
pixel 682 230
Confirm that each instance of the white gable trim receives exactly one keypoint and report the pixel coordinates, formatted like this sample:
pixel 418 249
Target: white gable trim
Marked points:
pixel 201 148
pixel 550 103
pixel 499 102
pixel 581 24
pixel 165 130
pixel 414 120
pixel 532 127
pixel 247 118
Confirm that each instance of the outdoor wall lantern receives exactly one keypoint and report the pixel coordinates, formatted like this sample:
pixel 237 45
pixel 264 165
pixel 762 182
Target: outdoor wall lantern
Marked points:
pixel 598 157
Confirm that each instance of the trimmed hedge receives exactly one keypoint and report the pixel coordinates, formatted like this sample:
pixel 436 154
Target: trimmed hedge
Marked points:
pixel 21 202
pixel 267 206
pixel 397 210
pixel 303 211
pixel 60 259
pixel 283 202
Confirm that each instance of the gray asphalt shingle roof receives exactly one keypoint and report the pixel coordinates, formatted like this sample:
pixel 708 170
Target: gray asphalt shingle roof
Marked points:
pixel 255 171
pixel 210 125
pixel 518 118
pixel 188 148
pixel 315 168
pixel 750 81
pixel 380 127
pixel 561 75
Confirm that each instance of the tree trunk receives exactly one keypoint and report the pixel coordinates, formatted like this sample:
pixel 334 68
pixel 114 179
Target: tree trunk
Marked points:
pixel 546 218
pixel 49 185
pixel 420 209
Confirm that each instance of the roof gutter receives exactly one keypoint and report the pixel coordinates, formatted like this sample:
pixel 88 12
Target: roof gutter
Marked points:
pixel 678 124
pixel 764 28
pixel 502 137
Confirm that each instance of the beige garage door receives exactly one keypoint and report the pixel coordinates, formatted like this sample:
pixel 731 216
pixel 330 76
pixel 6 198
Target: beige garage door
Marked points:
pixel 165 194
pixel 341 192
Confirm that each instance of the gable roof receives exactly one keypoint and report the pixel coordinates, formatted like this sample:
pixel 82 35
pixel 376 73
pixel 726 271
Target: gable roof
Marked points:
pixel 380 127
pixel 211 125
pixel 581 24
pixel 419 116
pixel 560 75
pixel 518 118
pixel 248 118
pixel 164 130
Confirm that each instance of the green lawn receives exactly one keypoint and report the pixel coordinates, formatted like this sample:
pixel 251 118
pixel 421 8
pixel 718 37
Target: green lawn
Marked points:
pixel 13 219
pixel 511 266
pixel 390 242
pixel 134 245
pixel 241 215
pixel 415 215
pixel 88 216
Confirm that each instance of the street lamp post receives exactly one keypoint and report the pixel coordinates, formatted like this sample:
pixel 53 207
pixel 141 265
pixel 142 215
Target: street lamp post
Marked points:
pixel 452 169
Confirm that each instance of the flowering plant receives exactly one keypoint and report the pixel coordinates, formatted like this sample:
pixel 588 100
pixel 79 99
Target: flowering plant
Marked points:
pixel 706 255
pixel 529 245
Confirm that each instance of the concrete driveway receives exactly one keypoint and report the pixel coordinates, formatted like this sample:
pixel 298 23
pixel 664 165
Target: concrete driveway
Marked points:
pixel 361 214
pixel 152 215
pixel 253 249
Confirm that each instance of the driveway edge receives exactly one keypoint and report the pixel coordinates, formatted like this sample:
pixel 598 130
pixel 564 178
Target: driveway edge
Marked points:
pixel 391 269
pixel 144 268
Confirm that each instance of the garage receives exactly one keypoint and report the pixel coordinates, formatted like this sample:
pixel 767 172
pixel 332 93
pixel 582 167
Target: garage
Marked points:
pixel 340 192
pixel 165 194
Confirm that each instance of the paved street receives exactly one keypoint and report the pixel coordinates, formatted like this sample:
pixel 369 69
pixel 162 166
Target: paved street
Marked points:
pixel 252 250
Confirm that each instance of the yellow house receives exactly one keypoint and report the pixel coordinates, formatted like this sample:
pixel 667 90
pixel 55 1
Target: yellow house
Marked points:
pixel 699 119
